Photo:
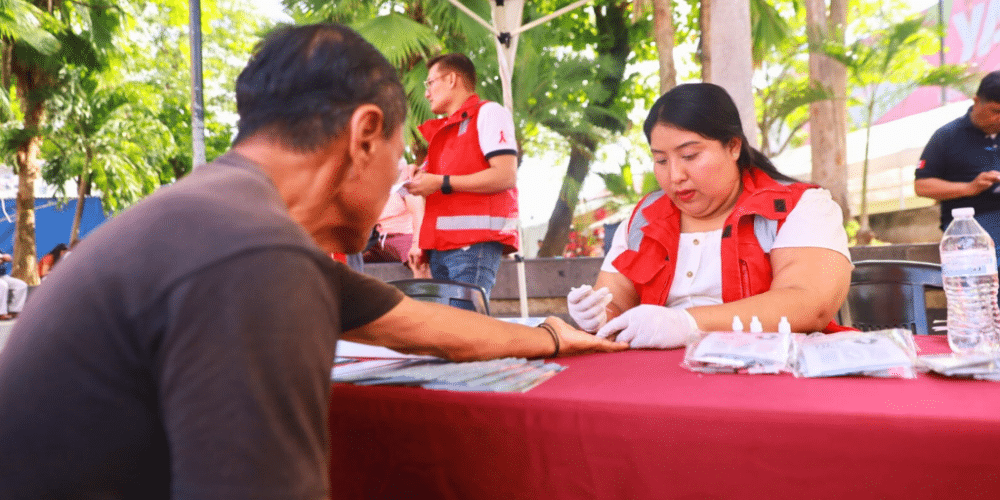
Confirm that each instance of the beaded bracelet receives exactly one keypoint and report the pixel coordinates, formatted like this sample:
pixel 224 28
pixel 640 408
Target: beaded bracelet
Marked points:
pixel 555 336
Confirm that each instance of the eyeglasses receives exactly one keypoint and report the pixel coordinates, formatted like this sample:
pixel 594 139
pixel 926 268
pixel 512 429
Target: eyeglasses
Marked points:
pixel 427 83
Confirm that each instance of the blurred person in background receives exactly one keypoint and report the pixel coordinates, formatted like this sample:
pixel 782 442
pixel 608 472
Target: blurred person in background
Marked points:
pixel 394 237
pixel 13 292
pixel 49 260
pixel 468 179
pixel 960 165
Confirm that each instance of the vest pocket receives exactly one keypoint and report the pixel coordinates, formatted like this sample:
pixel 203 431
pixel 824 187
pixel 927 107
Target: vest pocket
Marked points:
pixel 640 271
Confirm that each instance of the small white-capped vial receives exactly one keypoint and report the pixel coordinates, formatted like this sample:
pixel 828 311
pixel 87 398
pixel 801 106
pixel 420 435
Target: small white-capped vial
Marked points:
pixel 737 324
pixel 784 326
pixel 755 326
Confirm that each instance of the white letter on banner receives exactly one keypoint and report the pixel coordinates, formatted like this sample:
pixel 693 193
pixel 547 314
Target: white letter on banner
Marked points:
pixel 987 36
pixel 968 30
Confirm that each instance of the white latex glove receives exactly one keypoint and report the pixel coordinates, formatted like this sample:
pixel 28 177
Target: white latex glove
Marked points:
pixel 647 325
pixel 586 307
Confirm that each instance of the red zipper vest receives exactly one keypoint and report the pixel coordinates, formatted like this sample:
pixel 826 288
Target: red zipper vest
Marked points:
pixel 461 219
pixel 654 236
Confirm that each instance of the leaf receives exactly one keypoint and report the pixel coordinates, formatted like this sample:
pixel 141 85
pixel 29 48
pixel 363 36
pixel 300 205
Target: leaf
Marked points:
pixel 399 38
pixel 615 183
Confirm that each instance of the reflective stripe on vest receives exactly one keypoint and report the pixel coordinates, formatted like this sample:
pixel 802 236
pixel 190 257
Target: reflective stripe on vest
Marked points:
pixel 485 222
pixel 766 230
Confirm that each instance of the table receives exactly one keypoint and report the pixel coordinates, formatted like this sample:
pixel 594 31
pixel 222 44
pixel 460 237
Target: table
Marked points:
pixel 636 425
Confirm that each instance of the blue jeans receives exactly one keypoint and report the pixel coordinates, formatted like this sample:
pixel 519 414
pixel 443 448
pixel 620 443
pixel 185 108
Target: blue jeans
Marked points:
pixel 476 264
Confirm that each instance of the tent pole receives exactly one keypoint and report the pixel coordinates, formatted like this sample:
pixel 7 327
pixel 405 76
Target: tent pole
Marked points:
pixel 474 16
pixel 197 99
pixel 557 13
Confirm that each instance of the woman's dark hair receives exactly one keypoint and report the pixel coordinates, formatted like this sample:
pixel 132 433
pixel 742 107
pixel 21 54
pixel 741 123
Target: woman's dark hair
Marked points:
pixel 706 109
pixel 57 252
pixel 304 82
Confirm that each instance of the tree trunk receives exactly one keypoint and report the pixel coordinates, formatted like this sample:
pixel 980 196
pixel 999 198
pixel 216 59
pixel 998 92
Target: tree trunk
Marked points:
pixel 83 188
pixel 705 43
pixel 865 226
pixel 30 81
pixel 663 33
pixel 726 30
pixel 580 157
pixel 613 50
pixel 828 118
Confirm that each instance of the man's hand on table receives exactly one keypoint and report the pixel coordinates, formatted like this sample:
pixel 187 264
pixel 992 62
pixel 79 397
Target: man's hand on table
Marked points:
pixel 573 341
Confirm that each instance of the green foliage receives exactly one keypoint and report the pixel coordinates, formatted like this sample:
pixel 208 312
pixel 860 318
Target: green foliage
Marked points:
pixel 20 21
pixel 155 51
pixel 768 29
pixel 852 227
pixel 886 67
pixel 621 185
pixel 101 135
pixel 784 91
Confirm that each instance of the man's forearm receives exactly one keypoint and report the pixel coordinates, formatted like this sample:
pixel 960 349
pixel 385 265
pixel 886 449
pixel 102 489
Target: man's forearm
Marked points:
pixel 501 175
pixel 448 332
pixel 940 189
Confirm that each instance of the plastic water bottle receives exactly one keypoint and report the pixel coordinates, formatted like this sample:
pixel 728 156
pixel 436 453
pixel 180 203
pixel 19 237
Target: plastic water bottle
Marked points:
pixel 969 274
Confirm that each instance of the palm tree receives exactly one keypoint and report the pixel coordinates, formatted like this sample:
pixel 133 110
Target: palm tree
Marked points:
pixel 105 139
pixel 884 67
pixel 82 32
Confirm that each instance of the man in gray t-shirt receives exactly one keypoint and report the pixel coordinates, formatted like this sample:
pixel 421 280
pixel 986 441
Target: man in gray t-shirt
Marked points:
pixel 185 350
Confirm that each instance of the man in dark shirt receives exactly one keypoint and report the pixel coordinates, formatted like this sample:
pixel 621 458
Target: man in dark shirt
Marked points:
pixel 960 165
pixel 185 350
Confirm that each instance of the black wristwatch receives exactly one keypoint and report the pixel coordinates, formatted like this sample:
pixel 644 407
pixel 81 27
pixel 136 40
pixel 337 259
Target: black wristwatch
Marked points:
pixel 446 185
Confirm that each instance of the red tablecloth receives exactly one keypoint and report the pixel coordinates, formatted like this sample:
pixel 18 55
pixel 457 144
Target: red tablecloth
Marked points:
pixel 636 425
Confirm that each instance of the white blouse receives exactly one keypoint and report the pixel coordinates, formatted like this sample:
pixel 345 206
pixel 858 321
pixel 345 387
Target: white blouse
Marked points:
pixel 816 221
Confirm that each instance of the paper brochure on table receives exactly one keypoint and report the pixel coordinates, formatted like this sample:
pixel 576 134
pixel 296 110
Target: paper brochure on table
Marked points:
pixel 978 366
pixel 498 375
pixel 348 349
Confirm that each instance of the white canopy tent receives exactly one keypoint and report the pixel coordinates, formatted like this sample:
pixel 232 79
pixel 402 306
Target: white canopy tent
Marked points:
pixel 506 28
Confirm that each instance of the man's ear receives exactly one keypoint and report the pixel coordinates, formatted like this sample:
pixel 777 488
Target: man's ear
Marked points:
pixel 365 127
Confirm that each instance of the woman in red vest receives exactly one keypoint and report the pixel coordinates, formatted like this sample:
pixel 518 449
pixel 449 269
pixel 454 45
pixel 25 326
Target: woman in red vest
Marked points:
pixel 726 236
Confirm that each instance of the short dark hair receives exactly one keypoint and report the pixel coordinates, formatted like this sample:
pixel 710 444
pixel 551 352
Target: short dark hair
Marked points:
pixel 303 83
pixel 458 63
pixel 989 87
pixel 707 110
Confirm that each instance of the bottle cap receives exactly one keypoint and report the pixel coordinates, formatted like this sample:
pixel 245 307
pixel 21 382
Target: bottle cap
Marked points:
pixel 755 326
pixel 737 324
pixel 963 212
pixel 784 326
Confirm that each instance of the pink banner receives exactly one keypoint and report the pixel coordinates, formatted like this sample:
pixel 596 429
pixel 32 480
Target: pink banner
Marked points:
pixel 973 38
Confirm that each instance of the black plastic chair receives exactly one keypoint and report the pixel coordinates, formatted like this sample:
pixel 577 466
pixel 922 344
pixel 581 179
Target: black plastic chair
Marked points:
pixel 890 294
pixel 453 293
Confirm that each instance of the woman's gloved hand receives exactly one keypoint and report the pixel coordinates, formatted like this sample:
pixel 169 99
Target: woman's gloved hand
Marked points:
pixel 586 307
pixel 652 326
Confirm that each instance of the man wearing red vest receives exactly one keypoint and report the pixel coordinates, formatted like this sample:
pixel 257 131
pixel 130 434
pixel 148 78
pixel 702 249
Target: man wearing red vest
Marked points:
pixel 469 177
